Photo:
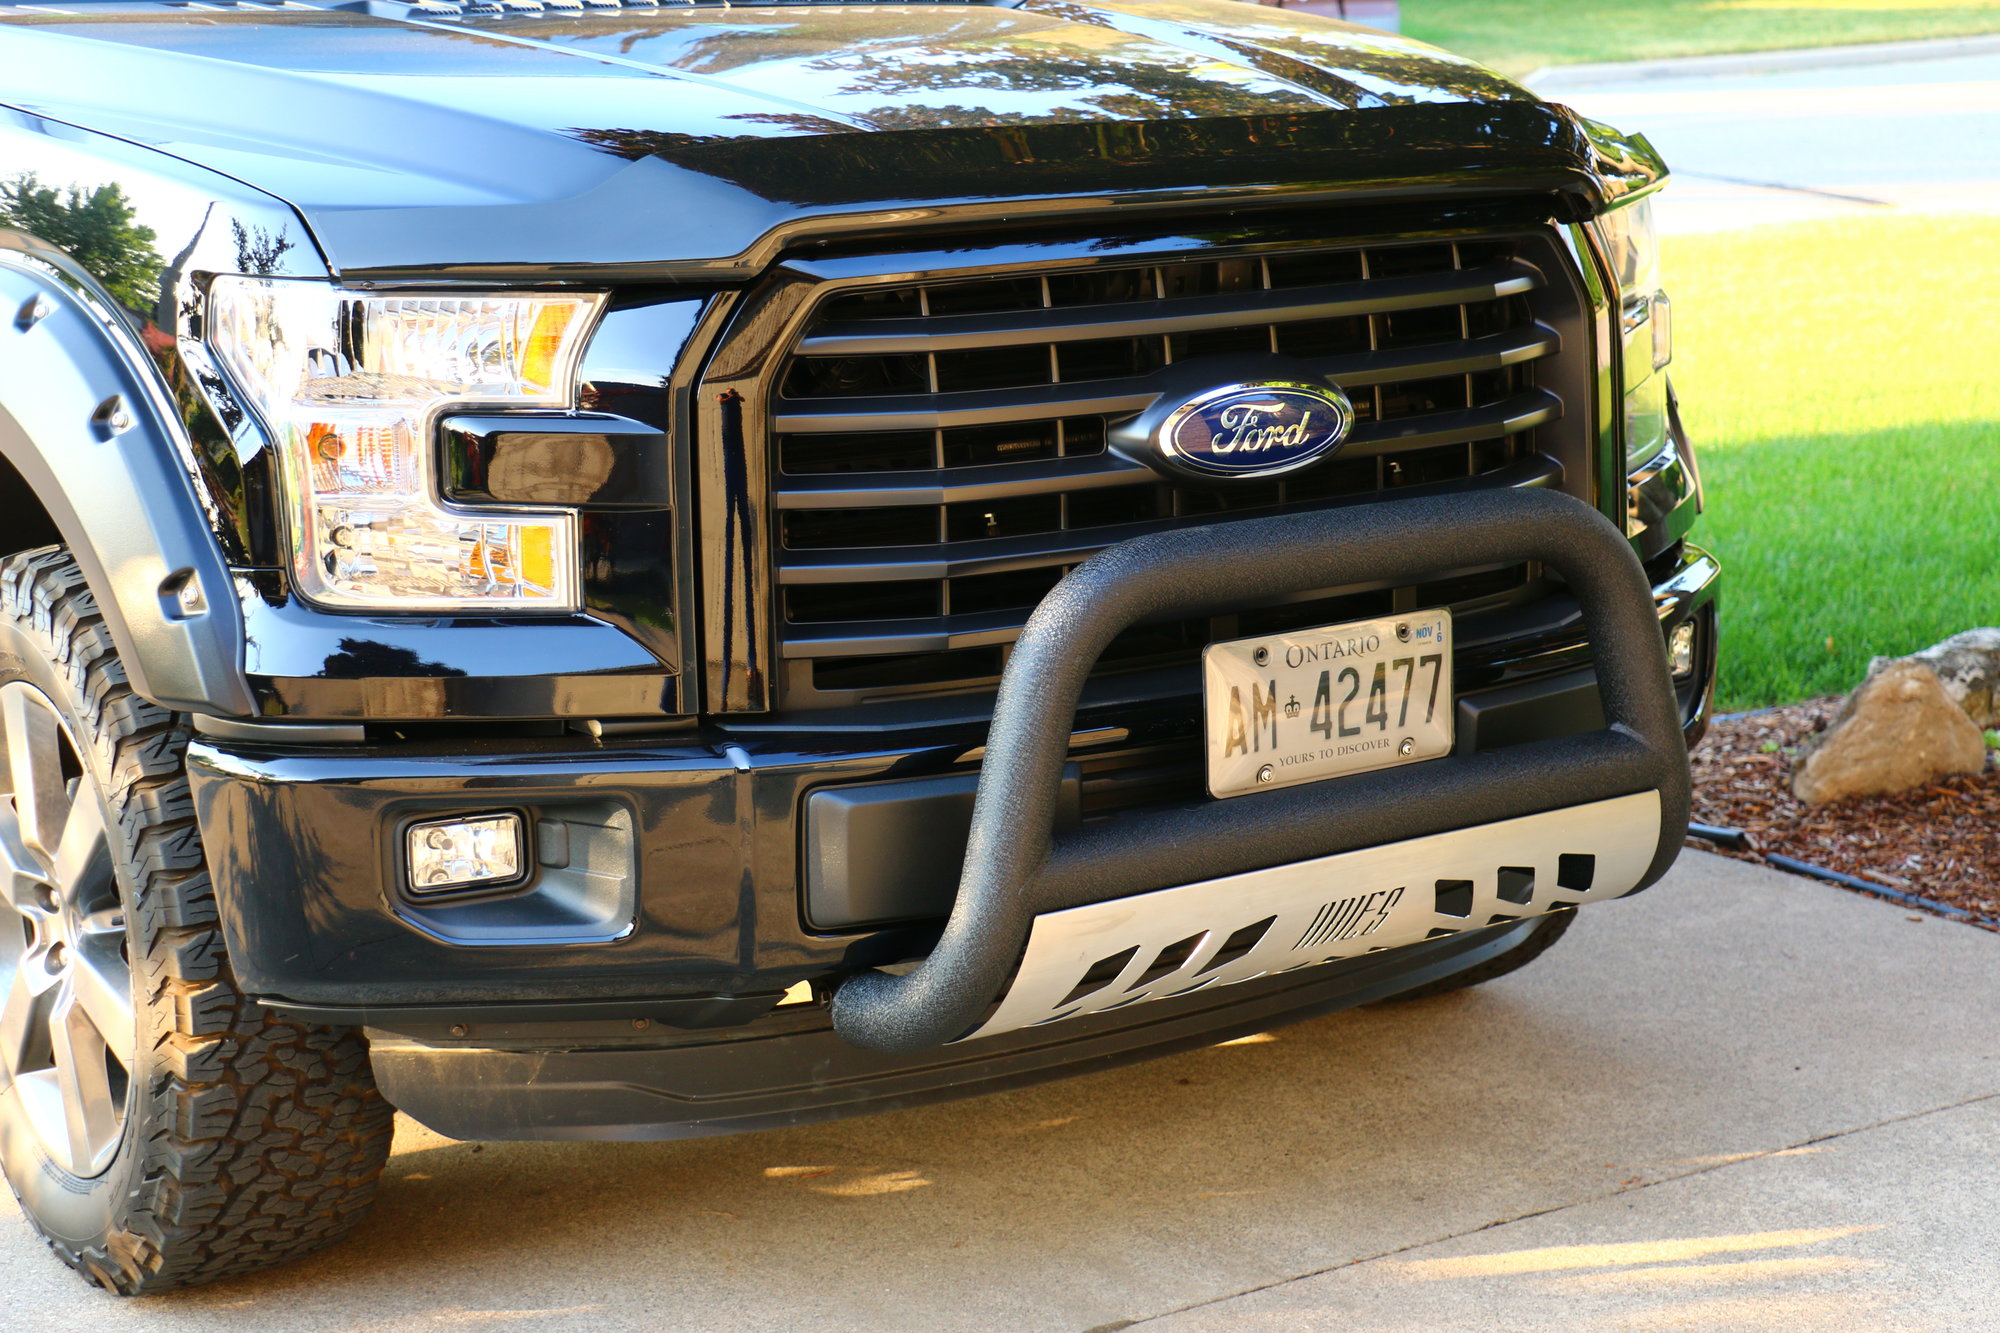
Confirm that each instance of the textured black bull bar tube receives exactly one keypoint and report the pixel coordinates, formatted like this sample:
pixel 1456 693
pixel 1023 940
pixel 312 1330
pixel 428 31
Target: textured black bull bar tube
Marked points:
pixel 1016 867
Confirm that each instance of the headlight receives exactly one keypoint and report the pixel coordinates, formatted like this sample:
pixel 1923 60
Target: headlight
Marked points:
pixel 350 386
pixel 1646 323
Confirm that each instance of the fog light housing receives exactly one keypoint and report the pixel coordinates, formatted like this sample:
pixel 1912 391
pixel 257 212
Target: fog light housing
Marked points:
pixel 1680 651
pixel 468 852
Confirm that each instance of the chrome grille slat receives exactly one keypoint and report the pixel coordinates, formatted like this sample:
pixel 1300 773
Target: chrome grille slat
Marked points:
pixel 1492 352
pixel 947 633
pixel 941 486
pixel 961 559
pixel 1519 413
pixel 978 407
pixel 1372 296
pixel 985 407
pixel 930 636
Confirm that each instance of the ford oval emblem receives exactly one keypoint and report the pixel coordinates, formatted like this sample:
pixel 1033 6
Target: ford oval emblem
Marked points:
pixel 1256 430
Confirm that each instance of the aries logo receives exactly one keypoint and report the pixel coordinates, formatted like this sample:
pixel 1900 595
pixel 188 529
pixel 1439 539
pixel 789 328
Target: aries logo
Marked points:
pixel 1256 430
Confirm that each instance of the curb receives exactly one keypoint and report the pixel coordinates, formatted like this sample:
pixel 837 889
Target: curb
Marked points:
pixel 1564 78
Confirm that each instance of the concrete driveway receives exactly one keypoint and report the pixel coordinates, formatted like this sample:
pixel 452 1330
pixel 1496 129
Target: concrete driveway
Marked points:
pixel 1739 1101
pixel 1789 144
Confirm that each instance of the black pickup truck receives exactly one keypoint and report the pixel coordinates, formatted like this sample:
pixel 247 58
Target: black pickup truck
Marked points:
pixel 591 569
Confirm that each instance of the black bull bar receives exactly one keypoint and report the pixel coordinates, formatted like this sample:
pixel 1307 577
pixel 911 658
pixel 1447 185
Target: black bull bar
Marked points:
pixel 1017 867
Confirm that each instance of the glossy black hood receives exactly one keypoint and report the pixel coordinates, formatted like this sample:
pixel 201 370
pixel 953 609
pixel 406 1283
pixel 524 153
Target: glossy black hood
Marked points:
pixel 697 139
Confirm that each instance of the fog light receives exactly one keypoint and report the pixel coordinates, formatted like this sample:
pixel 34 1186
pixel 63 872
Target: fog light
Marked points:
pixel 1680 651
pixel 478 852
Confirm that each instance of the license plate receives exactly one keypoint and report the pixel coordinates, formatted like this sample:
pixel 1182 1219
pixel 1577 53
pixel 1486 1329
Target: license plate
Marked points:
pixel 1321 703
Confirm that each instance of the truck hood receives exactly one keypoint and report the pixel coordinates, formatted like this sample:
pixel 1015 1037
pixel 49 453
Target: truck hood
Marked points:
pixel 699 139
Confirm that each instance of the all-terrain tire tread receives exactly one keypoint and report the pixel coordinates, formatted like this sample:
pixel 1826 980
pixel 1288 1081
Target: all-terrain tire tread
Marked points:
pixel 262 1138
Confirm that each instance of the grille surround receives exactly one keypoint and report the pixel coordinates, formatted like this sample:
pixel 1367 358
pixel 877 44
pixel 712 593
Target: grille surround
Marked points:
pixel 940 548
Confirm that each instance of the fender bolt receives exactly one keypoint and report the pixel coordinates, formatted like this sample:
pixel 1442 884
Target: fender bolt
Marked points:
pixel 641 1024
pixel 111 417
pixel 460 1030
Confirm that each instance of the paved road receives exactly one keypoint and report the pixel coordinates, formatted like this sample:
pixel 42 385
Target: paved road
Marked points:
pixel 1782 147
pixel 1740 1101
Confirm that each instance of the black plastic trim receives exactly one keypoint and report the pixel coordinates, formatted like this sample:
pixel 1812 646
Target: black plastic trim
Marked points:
pixel 885 852
pixel 791 1069
pixel 590 462
pixel 94 433
pixel 445 1021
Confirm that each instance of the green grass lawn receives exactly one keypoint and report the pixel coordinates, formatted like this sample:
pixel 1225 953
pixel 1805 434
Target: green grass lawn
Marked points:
pixel 1516 36
pixel 1839 382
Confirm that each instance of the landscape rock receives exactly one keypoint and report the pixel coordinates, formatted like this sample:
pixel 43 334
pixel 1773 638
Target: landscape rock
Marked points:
pixel 1968 665
pixel 1899 729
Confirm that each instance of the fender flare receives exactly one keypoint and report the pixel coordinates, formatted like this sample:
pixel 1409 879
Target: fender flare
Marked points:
pixel 90 425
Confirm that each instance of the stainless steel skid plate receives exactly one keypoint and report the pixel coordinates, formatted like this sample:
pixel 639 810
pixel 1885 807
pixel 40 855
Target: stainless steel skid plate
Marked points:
pixel 1172 941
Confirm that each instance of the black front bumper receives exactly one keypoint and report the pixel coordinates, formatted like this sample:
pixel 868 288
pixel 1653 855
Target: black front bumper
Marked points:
pixel 301 838
pixel 704 926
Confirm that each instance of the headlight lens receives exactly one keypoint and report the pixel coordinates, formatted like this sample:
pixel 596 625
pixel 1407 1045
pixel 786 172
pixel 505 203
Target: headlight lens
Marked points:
pixel 1634 251
pixel 349 385
pixel 1646 324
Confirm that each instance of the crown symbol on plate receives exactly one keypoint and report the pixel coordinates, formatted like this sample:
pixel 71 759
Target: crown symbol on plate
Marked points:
pixel 1292 706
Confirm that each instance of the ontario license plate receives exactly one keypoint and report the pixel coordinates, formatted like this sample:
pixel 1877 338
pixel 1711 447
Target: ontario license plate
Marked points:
pixel 1320 703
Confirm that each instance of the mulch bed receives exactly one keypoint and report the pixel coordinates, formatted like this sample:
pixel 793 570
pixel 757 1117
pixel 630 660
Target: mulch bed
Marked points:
pixel 1940 842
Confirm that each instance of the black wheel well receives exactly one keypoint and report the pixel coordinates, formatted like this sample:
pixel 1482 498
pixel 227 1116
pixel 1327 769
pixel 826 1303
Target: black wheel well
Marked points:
pixel 24 523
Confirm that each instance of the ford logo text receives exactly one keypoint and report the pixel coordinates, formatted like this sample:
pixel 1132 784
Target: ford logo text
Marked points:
pixel 1256 430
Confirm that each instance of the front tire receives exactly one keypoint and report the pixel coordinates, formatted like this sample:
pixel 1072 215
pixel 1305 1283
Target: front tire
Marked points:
pixel 159 1128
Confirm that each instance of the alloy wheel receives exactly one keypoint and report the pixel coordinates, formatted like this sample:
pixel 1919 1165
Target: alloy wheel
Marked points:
pixel 68 1030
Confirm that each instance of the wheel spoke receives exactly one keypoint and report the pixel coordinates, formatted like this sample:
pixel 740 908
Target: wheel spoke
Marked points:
pixel 21 876
pixel 103 985
pixel 23 1026
pixel 82 835
pixel 33 738
pixel 90 1106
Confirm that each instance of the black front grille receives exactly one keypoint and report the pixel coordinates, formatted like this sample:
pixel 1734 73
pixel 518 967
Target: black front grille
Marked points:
pixel 941 449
